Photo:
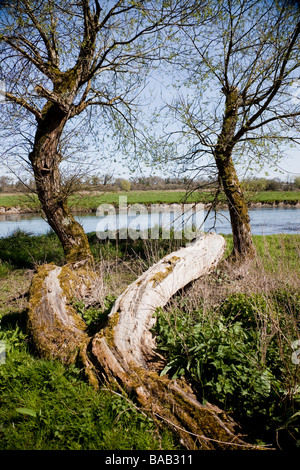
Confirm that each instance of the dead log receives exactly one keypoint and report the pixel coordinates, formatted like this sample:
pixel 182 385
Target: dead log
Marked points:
pixel 124 351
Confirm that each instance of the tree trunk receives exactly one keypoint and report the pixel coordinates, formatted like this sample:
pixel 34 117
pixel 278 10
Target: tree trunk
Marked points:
pixel 124 351
pixel 45 160
pixel 243 246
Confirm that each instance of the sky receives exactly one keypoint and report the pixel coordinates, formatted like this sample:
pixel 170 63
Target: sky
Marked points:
pixel 290 164
pixel 287 168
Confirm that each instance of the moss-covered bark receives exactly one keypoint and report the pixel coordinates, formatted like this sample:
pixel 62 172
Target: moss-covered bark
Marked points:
pixel 123 352
pixel 239 216
pixel 45 160
pixel 56 329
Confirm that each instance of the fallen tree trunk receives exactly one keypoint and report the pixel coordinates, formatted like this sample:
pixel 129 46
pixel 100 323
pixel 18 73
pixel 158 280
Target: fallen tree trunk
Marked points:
pixel 124 351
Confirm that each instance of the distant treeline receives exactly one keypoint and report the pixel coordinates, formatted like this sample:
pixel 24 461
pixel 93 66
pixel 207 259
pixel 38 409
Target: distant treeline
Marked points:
pixel 108 182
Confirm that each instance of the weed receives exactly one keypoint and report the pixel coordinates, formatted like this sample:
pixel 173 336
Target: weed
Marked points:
pixel 95 316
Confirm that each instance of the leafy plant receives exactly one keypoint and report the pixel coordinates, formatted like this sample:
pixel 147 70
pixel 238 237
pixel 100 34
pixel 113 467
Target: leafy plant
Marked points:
pixel 94 316
pixel 237 357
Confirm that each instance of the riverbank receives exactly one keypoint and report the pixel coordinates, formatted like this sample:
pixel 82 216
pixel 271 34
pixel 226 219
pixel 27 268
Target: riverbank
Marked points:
pixel 89 202
pixel 247 316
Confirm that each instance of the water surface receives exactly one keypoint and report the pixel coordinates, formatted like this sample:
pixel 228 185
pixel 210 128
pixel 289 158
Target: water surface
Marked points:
pixel 264 221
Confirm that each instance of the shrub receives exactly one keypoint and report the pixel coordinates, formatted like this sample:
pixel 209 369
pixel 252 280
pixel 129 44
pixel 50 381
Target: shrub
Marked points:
pixel 297 182
pixel 125 185
pixel 273 185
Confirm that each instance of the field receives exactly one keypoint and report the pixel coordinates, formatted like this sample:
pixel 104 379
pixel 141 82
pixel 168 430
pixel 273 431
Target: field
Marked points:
pixel 230 334
pixel 91 201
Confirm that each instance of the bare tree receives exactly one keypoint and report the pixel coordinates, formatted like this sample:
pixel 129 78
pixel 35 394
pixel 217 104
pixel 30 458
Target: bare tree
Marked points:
pixel 238 106
pixel 61 61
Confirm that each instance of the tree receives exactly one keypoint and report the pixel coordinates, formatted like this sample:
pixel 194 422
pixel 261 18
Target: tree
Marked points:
pixel 297 182
pixel 239 105
pixel 61 61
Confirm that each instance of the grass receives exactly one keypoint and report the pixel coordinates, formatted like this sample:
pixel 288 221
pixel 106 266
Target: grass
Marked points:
pixel 45 405
pixel 21 200
pixel 275 196
pixel 92 201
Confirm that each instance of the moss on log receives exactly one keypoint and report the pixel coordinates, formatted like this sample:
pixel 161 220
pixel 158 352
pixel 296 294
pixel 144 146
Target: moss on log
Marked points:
pixel 124 351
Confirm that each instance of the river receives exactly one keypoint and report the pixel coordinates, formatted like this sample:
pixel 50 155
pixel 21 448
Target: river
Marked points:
pixel 264 221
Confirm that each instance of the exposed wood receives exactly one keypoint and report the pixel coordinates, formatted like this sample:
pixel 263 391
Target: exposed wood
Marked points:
pixel 123 352
pixel 135 307
pixel 125 349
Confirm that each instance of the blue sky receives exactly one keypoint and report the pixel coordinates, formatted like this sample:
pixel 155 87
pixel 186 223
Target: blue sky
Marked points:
pixel 288 167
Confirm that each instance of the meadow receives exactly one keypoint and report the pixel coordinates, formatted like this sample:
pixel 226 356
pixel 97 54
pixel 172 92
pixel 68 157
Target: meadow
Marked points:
pixel 230 334
pixel 90 201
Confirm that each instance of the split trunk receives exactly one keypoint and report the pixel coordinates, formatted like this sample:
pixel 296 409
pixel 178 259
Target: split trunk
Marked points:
pixel 123 352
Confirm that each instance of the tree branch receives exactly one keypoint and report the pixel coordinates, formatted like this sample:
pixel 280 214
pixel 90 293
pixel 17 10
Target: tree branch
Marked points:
pixel 35 60
pixel 52 57
pixel 50 96
pixel 272 90
pixel 22 102
pixel 78 109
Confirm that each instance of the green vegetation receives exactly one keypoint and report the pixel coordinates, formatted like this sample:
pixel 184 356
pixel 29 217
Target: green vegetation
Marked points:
pixel 125 185
pixel 238 356
pixel 229 334
pixel 92 201
pixel 46 406
pixel 271 197
pixel 21 200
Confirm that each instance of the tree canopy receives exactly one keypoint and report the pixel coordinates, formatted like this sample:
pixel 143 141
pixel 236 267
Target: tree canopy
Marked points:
pixel 235 102
pixel 61 60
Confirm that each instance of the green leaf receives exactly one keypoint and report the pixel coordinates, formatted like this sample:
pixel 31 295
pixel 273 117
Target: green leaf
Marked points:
pixel 27 411
pixel 165 370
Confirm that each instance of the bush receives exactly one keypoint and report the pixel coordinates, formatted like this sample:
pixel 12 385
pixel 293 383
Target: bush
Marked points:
pixel 255 184
pixel 125 185
pixel 297 182
pixel 273 185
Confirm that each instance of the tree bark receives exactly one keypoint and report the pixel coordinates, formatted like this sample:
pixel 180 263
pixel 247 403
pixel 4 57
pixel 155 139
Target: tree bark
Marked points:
pixel 123 353
pixel 45 160
pixel 243 246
